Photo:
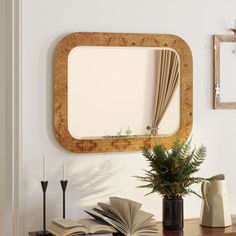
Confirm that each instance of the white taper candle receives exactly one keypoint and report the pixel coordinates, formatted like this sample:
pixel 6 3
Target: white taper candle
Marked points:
pixel 63 174
pixel 44 168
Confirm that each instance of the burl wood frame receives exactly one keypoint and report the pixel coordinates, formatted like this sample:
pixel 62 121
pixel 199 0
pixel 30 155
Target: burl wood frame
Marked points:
pixel 100 144
pixel 217 39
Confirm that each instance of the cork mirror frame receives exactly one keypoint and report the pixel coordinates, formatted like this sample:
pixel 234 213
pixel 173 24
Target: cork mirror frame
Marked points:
pixel 118 144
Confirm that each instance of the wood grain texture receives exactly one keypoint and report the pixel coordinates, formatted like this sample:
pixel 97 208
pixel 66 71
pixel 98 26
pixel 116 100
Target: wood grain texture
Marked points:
pixel 192 228
pixel 217 39
pixel 127 144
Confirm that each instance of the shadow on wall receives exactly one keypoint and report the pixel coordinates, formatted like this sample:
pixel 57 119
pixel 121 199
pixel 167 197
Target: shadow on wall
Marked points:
pixel 91 183
pixel 86 186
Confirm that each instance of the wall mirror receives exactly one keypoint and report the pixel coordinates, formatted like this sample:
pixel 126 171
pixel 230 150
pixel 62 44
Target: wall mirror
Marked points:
pixel 113 91
pixel 110 95
pixel 224 64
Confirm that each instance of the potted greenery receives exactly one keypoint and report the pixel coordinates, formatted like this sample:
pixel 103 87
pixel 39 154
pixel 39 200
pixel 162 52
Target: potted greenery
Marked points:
pixel 170 175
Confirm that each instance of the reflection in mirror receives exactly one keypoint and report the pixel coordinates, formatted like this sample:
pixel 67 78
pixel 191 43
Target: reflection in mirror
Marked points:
pixel 120 91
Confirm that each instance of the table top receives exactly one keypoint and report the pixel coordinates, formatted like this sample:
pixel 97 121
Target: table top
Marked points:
pixel 192 228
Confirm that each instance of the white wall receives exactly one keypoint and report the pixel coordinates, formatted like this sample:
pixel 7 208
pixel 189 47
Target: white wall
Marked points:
pixel 2 116
pixel 94 177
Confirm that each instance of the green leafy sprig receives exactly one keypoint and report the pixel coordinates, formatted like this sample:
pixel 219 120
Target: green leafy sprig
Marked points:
pixel 171 171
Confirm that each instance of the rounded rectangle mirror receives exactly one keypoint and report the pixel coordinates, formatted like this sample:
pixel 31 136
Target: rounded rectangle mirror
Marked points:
pixel 119 92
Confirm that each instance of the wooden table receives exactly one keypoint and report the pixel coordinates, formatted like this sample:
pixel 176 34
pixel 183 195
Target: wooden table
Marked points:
pixel 192 228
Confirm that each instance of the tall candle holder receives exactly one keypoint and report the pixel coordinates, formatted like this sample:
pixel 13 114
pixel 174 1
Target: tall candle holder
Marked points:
pixel 63 186
pixel 44 232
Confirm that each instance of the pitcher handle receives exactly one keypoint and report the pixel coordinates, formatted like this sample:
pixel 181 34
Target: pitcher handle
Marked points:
pixel 204 191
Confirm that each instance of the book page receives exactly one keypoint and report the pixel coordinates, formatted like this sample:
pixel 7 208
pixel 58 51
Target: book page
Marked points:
pixel 107 208
pixel 65 223
pixel 149 228
pixel 96 226
pixel 126 216
pixel 147 233
pixel 111 216
pixel 142 219
pixel 117 225
pixel 57 230
pixel 127 208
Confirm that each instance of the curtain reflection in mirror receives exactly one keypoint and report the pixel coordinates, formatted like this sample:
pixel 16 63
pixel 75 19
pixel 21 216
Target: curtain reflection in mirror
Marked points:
pixel 166 83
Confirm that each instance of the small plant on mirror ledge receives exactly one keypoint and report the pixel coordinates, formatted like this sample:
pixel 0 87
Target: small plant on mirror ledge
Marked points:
pixel 170 175
pixel 126 134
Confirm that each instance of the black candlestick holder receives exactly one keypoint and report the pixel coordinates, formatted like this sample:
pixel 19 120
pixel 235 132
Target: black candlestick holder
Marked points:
pixel 44 232
pixel 63 186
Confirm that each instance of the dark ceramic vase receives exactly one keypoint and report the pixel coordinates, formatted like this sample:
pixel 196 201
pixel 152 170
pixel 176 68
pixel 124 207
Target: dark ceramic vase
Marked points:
pixel 173 215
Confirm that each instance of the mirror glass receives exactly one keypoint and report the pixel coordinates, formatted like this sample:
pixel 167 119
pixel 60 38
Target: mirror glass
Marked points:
pixel 227 71
pixel 112 90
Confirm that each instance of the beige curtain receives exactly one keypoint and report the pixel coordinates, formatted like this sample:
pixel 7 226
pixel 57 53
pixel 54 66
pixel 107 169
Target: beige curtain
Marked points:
pixel 167 76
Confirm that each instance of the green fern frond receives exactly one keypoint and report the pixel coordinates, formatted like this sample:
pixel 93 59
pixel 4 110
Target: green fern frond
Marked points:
pixel 171 171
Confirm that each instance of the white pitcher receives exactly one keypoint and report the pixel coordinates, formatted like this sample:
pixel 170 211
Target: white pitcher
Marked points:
pixel 215 206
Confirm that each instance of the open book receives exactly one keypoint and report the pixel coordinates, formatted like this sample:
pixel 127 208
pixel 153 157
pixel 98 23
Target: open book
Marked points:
pixel 63 227
pixel 126 216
